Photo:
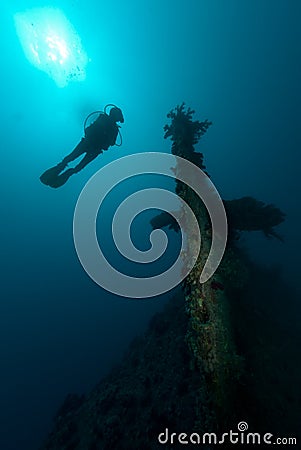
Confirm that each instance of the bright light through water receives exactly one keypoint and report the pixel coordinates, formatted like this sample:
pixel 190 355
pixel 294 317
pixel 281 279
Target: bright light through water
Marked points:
pixel 51 44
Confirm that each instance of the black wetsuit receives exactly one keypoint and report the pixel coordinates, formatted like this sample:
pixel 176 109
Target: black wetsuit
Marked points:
pixel 99 136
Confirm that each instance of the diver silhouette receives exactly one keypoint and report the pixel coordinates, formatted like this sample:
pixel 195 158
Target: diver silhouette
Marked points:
pixel 99 136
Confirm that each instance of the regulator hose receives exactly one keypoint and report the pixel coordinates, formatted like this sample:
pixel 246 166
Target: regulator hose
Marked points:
pixel 88 117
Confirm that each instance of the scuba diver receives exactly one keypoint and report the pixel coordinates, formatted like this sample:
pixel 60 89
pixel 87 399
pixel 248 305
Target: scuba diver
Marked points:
pixel 99 136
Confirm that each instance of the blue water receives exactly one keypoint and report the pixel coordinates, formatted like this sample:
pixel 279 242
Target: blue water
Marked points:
pixel 237 64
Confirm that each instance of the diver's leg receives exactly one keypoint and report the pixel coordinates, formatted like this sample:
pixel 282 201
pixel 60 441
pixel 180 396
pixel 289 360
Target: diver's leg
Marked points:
pixel 85 161
pixel 61 179
pixel 78 151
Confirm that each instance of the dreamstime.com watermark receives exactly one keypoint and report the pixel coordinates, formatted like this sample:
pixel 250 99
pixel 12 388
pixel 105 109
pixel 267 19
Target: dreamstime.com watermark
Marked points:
pixel 231 437
pixel 104 181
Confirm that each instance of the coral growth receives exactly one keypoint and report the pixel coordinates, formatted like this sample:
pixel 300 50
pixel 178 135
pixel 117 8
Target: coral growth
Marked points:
pixel 185 133
pixel 249 214
pixel 182 129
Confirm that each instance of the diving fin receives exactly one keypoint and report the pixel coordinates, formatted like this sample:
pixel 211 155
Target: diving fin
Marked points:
pixel 59 180
pixel 50 175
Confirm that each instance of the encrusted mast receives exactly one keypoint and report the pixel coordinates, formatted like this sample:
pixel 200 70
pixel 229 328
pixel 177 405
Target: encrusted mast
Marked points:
pixel 209 334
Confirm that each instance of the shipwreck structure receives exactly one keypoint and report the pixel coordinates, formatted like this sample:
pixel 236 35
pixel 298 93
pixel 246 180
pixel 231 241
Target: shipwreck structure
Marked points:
pixel 217 356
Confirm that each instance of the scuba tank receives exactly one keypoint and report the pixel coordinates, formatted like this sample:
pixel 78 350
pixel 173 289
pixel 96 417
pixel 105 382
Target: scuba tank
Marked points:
pixel 104 113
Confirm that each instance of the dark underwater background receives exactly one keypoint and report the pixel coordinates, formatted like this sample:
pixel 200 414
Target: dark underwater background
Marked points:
pixel 238 65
